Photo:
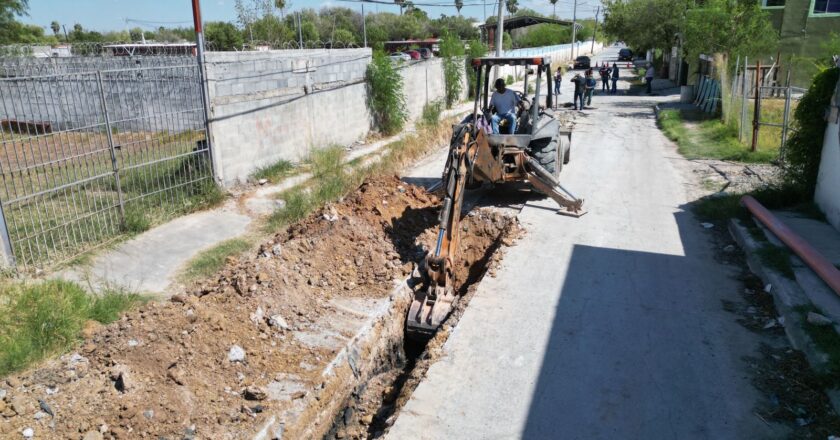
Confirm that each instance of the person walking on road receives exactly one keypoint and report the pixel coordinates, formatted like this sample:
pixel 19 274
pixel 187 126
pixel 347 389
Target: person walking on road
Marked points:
pixel 605 78
pixel 590 86
pixel 614 77
pixel 580 87
pixel 649 78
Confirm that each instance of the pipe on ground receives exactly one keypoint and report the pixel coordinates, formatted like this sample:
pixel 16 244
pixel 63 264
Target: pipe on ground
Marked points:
pixel 812 257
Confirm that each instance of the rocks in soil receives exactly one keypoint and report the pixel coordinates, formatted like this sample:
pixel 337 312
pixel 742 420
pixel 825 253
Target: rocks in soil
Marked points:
pixel 236 354
pixel 28 433
pixel 254 393
pixel 93 435
pixel 818 319
pixel 278 322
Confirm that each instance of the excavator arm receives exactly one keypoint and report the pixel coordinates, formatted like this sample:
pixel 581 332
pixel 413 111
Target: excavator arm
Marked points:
pixel 433 304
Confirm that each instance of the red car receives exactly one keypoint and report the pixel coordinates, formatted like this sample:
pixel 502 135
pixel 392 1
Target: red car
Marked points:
pixel 413 54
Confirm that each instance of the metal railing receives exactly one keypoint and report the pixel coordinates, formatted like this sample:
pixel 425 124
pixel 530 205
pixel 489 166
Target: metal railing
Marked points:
pixel 88 156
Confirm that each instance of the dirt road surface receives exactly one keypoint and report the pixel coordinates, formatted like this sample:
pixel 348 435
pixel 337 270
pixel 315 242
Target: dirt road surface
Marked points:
pixel 608 326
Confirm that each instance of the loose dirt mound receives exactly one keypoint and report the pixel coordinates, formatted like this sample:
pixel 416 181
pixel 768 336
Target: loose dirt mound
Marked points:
pixel 214 363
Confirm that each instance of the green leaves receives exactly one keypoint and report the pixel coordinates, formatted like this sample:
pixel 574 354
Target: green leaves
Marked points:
pixel 386 100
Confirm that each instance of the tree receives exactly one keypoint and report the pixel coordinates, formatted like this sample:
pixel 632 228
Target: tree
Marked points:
pixel 223 35
pixel 645 24
pixel 554 6
pixel 55 27
pixel 452 51
pixel 512 6
pixel 738 27
pixel 460 4
pixel 10 29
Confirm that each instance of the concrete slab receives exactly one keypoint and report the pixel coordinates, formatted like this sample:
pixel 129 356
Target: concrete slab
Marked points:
pixel 149 262
pixel 819 234
pixel 607 326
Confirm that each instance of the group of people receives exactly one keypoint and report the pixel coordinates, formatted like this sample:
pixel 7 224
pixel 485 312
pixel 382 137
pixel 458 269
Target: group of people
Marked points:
pixel 585 85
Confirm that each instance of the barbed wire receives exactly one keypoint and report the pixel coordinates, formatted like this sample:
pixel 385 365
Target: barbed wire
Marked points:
pixel 283 45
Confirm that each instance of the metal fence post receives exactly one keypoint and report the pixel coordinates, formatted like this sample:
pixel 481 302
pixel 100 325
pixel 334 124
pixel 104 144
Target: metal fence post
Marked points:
pixel 744 92
pixel 785 120
pixel 111 144
pixel 7 255
pixel 757 108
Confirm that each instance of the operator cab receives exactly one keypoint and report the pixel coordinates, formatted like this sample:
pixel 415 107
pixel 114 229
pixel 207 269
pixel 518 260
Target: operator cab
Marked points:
pixel 527 111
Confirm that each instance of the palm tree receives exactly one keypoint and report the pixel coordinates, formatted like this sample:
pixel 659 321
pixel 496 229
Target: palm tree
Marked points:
pixel 512 6
pixel 554 5
pixel 281 5
pixel 55 27
pixel 460 4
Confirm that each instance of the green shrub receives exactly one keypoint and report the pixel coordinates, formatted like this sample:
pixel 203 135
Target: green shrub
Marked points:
pixel 475 49
pixel 385 94
pixel 452 51
pixel 431 113
pixel 804 147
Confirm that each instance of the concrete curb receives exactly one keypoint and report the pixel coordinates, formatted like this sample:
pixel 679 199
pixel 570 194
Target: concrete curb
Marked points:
pixel 356 363
pixel 787 295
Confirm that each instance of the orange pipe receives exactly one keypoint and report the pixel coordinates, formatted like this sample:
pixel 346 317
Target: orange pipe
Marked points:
pixel 812 257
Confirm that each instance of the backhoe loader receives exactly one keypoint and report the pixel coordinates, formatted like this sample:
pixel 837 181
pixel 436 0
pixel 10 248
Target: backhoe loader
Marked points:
pixel 535 153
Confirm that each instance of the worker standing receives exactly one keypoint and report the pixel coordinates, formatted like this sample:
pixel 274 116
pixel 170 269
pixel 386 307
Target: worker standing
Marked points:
pixel 590 86
pixel 605 77
pixel 614 77
pixel 649 78
pixel 580 87
pixel 558 77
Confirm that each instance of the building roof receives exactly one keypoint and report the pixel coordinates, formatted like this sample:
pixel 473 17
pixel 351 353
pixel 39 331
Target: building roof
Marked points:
pixel 527 20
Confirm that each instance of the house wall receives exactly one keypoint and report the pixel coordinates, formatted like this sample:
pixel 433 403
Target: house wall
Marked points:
pixel 827 195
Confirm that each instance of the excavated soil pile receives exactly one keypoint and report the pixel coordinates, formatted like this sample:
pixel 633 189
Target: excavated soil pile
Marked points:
pixel 216 362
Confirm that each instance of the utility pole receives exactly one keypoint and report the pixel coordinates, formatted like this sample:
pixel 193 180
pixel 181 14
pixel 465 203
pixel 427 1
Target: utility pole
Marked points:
pixel 205 97
pixel 364 24
pixel 300 31
pixel 574 30
pixel 595 30
pixel 500 28
pixel 66 38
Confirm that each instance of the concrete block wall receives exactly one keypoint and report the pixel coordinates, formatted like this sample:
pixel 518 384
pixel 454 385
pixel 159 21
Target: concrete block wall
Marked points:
pixel 268 106
pixel 827 195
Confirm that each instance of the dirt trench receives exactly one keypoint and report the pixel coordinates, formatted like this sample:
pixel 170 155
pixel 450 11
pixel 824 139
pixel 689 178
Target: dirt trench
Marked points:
pixel 258 340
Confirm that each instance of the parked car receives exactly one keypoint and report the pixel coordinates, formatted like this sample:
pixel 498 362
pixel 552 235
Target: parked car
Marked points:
pixel 415 55
pixel 625 55
pixel 426 53
pixel 582 62
pixel 399 56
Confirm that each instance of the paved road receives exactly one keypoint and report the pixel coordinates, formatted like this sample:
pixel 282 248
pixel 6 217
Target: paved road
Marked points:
pixel 604 327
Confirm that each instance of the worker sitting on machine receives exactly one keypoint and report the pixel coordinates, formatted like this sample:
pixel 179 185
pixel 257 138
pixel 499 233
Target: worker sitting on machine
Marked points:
pixel 505 102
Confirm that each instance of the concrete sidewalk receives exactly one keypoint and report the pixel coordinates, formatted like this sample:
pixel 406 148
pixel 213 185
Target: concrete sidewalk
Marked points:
pixel 607 326
pixel 150 262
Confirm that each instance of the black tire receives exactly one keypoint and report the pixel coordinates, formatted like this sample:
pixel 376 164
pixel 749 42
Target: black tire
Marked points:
pixel 546 153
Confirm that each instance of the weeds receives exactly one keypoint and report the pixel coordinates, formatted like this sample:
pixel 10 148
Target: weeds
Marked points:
pixel 452 52
pixel 776 258
pixel 825 337
pixel 332 177
pixel 274 172
pixel 710 139
pixel 211 260
pixel 431 113
pixel 41 319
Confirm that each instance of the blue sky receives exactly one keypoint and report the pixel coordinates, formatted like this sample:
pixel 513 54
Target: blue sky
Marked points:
pixel 106 15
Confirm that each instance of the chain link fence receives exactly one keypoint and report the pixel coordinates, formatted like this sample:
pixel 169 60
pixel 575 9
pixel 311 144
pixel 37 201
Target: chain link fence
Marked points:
pixel 89 155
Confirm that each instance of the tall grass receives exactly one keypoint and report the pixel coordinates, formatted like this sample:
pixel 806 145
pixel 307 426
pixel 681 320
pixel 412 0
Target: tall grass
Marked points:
pixel 709 139
pixel 211 260
pixel 332 177
pixel 41 319
pixel 274 172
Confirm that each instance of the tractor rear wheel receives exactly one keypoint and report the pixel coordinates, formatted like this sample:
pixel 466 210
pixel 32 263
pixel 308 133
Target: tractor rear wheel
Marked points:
pixel 547 153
